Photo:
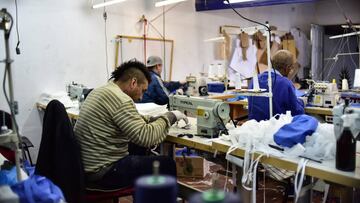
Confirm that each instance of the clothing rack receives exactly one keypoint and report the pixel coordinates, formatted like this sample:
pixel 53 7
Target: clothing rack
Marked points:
pixel 235 30
pixel 251 31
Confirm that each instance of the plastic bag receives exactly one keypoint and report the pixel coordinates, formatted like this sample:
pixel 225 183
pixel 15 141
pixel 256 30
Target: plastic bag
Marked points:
pixel 38 189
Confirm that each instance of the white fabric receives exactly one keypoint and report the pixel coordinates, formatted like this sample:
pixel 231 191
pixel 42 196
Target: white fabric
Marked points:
pixel 255 136
pixel 180 116
pixel 244 67
pixel 304 47
pixel 62 97
pixel 150 109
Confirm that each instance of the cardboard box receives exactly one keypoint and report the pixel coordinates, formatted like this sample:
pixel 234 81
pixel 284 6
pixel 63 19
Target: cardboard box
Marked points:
pixel 191 166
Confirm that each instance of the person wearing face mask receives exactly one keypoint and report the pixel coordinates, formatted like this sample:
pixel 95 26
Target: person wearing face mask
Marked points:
pixel 159 91
pixel 284 93
pixel 109 123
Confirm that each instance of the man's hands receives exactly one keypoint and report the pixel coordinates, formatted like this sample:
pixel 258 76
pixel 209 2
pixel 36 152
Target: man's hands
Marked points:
pixel 176 116
pixel 180 116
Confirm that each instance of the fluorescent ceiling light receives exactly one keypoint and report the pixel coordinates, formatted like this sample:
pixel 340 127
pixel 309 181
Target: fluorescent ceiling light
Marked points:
pixel 107 3
pixel 167 2
pixel 237 1
pixel 345 35
pixel 215 39
pixel 354 26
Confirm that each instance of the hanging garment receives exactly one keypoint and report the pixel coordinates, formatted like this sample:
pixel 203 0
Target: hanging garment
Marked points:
pixel 244 67
pixel 223 50
pixel 262 54
pixel 244 44
pixel 288 43
pixel 260 40
pixel 304 47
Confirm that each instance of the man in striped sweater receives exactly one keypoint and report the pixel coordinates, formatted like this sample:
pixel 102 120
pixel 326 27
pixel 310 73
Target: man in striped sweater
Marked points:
pixel 109 121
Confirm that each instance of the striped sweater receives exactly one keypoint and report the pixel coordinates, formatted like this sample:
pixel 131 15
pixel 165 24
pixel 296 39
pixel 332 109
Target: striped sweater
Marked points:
pixel 108 121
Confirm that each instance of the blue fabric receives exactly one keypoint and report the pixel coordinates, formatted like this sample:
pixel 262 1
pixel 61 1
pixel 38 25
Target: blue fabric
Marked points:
pixel 284 98
pixel 216 87
pixel 296 131
pixel 37 189
pixel 236 98
pixel 8 177
pixel 186 152
pixel 155 93
pixel 299 93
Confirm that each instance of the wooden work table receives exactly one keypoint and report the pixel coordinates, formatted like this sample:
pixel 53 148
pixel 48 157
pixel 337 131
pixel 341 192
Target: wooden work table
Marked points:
pixel 325 171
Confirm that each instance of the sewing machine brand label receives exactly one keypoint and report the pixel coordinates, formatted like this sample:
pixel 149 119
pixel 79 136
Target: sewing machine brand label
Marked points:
pixel 200 112
pixel 186 102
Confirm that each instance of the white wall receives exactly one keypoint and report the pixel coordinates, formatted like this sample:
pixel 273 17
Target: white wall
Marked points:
pixel 63 41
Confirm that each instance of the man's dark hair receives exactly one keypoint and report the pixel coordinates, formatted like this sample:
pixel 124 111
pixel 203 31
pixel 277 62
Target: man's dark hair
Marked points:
pixel 131 69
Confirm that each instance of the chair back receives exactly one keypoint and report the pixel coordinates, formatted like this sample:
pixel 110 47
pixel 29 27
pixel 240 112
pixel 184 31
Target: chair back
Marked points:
pixel 59 157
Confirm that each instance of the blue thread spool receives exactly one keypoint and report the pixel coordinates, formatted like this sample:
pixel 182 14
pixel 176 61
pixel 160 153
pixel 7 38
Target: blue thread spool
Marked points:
pixel 155 188
pixel 215 196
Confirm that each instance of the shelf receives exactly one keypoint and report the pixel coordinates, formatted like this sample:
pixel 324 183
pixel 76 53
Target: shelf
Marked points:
pixel 255 94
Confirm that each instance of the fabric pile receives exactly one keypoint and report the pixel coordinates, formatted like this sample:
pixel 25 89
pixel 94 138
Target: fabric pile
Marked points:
pixel 150 109
pixel 313 140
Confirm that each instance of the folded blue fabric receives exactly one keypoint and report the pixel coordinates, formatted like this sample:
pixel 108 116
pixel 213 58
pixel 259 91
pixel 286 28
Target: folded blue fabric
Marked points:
pixel 296 131
pixel 236 98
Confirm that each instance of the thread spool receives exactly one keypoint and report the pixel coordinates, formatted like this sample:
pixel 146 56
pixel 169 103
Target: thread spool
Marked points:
pixel 211 72
pixel 357 78
pixel 220 70
pixel 155 188
pixel 238 81
pixel 256 85
pixel 213 196
pixel 344 84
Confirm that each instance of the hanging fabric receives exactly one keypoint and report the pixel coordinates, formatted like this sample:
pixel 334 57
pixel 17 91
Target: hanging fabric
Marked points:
pixel 244 67
pixel 244 44
pixel 223 50
pixel 288 43
pixel 260 40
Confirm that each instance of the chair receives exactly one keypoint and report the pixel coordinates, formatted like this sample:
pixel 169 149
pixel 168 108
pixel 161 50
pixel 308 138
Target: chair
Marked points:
pixel 59 159
pixel 26 143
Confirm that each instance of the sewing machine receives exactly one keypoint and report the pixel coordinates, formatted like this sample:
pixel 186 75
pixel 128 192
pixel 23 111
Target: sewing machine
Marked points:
pixel 76 91
pixel 323 94
pixel 346 108
pixel 197 86
pixel 211 114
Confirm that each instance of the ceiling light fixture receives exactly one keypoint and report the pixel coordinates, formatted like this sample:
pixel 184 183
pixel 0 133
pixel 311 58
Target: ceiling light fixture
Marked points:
pixel 167 2
pixel 345 35
pixel 354 26
pixel 107 3
pixel 237 1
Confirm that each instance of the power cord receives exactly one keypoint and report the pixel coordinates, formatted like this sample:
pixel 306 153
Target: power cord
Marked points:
pixel 106 41
pixel 256 22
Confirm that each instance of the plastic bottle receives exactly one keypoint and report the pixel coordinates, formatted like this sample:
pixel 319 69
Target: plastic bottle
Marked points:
pixel 346 147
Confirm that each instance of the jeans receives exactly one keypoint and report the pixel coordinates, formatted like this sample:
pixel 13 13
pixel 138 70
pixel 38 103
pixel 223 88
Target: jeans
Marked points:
pixel 125 171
